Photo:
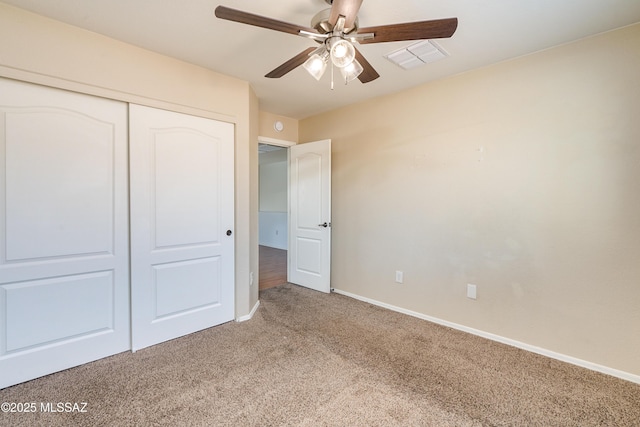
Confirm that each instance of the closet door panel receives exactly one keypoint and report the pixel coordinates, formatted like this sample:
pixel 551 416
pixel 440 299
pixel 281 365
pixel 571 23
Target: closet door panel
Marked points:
pixel 64 267
pixel 182 214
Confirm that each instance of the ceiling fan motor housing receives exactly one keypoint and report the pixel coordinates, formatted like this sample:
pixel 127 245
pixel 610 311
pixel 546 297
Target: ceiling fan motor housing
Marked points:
pixel 320 22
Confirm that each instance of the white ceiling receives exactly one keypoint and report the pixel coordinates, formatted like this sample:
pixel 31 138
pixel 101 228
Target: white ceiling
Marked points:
pixel 489 31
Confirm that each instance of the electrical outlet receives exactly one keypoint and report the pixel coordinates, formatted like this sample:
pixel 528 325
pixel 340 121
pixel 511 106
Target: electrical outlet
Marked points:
pixel 399 276
pixel 472 291
pixel 251 279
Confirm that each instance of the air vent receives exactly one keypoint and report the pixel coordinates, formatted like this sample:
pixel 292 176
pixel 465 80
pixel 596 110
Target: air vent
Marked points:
pixel 417 54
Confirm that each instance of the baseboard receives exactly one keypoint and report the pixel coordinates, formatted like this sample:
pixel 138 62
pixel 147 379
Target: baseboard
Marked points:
pixel 251 313
pixel 524 346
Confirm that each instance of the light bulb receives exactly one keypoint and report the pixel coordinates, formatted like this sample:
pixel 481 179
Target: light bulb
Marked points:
pixel 316 64
pixel 342 53
pixel 340 50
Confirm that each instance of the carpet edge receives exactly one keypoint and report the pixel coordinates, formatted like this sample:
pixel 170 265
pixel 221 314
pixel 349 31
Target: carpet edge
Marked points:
pixel 627 376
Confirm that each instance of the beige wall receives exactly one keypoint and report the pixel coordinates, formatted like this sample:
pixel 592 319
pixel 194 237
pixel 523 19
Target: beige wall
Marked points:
pixel 289 133
pixel 522 178
pixel 40 50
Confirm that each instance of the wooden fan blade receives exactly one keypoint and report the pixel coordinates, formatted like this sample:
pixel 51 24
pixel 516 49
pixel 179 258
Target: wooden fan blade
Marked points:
pixel 347 8
pixel 369 73
pixel 229 14
pixel 422 30
pixel 291 64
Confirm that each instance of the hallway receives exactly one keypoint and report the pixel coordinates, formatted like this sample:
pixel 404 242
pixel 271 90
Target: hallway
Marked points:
pixel 273 267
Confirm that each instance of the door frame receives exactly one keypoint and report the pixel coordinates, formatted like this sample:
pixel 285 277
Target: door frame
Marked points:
pixel 284 144
pixel 276 142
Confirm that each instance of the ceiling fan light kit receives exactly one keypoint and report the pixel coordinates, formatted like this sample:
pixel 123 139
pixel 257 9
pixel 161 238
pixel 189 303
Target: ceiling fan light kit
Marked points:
pixel 342 55
pixel 337 30
pixel 335 47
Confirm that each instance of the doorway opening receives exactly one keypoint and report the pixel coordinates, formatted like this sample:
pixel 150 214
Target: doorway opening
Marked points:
pixel 294 210
pixel 273 216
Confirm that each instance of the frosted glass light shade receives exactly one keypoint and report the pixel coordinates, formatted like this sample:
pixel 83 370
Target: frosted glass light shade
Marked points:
pixel 351 71
pixel 342 53
pixel 315 65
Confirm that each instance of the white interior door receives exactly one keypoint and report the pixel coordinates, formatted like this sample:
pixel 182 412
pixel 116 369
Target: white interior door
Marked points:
pixel 64 277
pixel 310 215
pixel 182 247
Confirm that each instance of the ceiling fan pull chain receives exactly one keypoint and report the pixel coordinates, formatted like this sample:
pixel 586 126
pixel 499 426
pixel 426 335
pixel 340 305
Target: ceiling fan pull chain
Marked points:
pixel 332 67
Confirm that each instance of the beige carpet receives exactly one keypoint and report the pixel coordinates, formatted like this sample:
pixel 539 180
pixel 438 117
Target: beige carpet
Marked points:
pixel 310 359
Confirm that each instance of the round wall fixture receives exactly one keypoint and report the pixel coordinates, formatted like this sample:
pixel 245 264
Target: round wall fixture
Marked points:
pixel 278 126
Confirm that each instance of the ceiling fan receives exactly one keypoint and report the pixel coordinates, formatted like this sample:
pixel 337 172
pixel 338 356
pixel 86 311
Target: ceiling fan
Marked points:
pixel 337 31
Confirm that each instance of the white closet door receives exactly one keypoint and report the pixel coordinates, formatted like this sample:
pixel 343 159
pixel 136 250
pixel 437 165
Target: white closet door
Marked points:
pixel 182 246
pixel 64 278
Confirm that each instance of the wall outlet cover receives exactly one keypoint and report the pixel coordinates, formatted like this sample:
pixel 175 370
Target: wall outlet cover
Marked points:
pixel 399 276
pixel 472 291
